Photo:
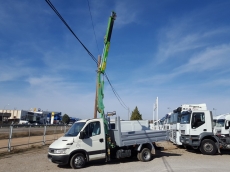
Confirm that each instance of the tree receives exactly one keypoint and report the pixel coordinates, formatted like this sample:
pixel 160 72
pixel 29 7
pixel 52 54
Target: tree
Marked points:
pixel 65 119
pixel 136 115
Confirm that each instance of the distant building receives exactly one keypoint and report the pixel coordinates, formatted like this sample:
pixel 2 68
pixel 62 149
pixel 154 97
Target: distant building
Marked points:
pixel 40 117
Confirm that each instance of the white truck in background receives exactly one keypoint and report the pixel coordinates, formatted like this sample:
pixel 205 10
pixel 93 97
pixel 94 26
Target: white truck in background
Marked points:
pixel 221 127
pixel 175 119
pixel 166 124
pixel 86 141
pixel 197 131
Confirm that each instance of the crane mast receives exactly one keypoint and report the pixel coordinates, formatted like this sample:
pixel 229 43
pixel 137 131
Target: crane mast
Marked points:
pixel 101 70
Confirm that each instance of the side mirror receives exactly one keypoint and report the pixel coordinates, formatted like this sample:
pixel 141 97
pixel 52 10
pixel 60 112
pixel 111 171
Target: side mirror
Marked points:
pixel 82 135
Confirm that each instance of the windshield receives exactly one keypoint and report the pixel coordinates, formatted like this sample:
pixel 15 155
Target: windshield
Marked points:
pixel 185 118
pixel 220 122
pixel 175 118
pixel 75 129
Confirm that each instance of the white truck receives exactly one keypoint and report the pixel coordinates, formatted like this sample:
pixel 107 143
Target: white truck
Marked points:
pixel 158 125
pixel 221 125
pixel 86 141
pixel 174 135
pixel 166 124
pixel 196 128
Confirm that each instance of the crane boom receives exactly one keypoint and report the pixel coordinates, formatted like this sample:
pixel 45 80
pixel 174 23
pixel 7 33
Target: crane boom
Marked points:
pixel 102 67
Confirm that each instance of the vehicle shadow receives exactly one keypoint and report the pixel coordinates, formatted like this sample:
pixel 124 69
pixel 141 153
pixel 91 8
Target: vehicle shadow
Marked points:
pixel 197 151
pixel 159 154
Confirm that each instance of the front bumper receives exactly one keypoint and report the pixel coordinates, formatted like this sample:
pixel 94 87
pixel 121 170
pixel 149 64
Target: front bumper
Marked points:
pixel 58 159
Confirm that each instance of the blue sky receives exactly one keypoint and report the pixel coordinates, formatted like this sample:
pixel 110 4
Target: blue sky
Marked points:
pixel 176 50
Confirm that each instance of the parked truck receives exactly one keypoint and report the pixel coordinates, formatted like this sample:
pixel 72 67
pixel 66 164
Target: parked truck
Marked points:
pixel 221 124
pixel 197 131
pixel 86 140
pixel 174 135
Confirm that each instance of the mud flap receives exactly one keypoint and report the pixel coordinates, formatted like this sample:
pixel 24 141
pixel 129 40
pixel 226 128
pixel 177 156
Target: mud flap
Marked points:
pixel 218 146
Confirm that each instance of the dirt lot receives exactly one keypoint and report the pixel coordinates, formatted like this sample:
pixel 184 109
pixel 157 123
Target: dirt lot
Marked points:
pixel 172 159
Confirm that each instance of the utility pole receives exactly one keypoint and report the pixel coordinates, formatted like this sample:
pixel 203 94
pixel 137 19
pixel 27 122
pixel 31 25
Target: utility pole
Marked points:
pixel 95 105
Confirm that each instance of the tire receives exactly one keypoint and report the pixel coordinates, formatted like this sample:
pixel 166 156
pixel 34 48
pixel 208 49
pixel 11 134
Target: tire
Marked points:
pixel 78 161
pixel 208 147
pixel 145 155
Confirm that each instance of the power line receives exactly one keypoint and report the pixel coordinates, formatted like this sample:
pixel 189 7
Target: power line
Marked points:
pixel 93 26
pixel 62 19
pixel 116 94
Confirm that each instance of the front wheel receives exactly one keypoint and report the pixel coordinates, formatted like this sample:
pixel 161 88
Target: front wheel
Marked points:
pixel 145 155
pixel 77 161
pixel 208 147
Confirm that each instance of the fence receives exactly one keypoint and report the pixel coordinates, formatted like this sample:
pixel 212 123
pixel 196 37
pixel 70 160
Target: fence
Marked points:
pixel 13 136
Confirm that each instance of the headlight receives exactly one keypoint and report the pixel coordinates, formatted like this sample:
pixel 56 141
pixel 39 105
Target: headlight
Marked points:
pixel 59 151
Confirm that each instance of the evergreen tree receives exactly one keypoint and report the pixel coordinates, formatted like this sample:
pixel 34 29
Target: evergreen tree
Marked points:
pixel 65 119
pixel 136 115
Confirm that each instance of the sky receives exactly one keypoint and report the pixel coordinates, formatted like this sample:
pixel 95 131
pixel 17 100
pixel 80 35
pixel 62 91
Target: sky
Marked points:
pixel 176 50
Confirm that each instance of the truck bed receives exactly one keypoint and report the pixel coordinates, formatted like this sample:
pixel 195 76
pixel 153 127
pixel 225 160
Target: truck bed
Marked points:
pixel 138 137
pixel 127 138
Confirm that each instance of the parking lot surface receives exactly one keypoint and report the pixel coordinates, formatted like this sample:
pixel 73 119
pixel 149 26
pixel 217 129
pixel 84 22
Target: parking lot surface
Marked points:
pixel 172 159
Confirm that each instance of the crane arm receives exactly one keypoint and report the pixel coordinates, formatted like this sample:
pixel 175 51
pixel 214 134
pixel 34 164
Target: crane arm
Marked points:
pixel 102 67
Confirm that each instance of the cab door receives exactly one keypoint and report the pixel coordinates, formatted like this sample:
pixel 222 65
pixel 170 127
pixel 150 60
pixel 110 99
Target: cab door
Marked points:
pixel 94 140
pixel 198 123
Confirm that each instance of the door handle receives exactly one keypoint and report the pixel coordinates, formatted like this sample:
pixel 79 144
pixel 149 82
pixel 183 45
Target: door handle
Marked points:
pixel 205 130
pixel 101 140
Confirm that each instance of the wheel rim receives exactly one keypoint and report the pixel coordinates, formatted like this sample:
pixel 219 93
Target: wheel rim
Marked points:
pixel 146 155
pixel 79 161
pixel 208 147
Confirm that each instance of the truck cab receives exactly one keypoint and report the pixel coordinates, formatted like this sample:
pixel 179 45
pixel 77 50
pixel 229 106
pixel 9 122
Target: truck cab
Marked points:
pixel 196 128
pixel 176 119
pixel 166 124
pixel 174 128
pixel 84 140
pixel 222 125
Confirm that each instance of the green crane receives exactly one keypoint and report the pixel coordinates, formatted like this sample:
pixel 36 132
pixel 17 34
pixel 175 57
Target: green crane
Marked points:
pixel 101 70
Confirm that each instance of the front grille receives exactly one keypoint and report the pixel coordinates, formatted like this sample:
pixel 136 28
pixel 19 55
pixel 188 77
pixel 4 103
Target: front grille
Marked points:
pixel 182 131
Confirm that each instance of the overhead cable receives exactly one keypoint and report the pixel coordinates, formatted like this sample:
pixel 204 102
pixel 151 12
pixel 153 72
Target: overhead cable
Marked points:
pixel 116 94
pixel 59 15
pixel 93 26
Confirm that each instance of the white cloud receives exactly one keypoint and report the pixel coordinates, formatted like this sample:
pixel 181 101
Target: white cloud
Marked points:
pixel 127 13
pixel 212 58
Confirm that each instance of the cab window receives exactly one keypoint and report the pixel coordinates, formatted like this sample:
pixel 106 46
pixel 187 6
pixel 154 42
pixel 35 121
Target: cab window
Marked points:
pixel 92 129
pixel 198 119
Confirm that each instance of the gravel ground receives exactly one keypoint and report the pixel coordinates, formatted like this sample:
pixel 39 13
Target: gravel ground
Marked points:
pixel 172 159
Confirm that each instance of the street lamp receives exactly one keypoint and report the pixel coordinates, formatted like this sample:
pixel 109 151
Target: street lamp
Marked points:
pixel 3 111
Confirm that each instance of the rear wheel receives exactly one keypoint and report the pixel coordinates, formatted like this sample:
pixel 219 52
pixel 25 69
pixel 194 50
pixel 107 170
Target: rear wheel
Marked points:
pixel 145 155
pixel 208 147
pixel 77 161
